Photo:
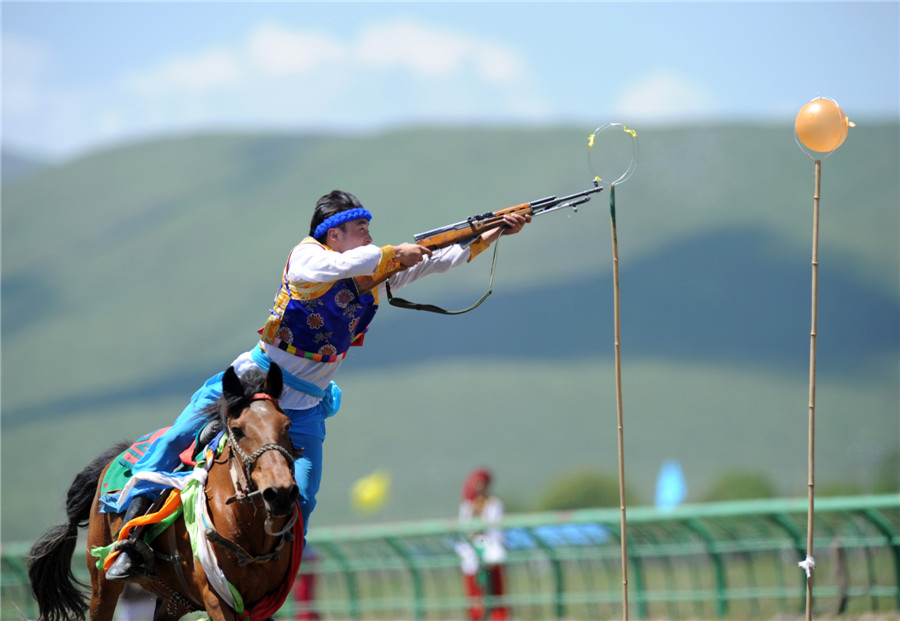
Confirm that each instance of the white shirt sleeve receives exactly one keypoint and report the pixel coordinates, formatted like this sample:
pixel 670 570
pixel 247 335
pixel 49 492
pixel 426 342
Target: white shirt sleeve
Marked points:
pixel 312 263
pixel 440 261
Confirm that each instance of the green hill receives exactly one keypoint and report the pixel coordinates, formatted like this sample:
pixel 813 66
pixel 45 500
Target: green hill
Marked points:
pixel 131 275
pixel 15 166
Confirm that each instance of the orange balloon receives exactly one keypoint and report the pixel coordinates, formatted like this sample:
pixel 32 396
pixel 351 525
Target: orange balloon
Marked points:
pixel 821 125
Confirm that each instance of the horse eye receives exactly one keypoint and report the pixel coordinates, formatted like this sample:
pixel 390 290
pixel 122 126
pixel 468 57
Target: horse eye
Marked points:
pixel 238 433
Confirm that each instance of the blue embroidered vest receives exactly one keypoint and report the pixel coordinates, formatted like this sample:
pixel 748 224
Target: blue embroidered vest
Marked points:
pixel 318 321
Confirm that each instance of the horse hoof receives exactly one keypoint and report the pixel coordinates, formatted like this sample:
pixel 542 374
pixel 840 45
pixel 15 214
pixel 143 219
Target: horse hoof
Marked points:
pixel 123 567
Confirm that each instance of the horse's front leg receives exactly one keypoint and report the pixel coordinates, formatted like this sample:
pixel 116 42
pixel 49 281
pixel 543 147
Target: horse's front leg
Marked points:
pixel 170 608
pixel 216 607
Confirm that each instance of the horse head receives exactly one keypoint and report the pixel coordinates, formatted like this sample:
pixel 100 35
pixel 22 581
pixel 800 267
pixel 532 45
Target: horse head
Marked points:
pixel 257 430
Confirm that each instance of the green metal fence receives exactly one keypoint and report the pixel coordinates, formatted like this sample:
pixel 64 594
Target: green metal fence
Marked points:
pixel 727 560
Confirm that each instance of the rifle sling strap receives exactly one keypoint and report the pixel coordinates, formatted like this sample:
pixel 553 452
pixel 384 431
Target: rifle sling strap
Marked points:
pixel 431 308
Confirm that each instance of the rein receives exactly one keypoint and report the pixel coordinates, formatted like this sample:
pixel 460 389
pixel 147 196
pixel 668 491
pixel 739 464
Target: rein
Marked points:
pixel 244 557
pixel 240 477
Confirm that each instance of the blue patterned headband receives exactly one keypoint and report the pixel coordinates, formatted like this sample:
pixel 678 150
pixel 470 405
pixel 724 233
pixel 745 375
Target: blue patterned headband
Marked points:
pixel 340 218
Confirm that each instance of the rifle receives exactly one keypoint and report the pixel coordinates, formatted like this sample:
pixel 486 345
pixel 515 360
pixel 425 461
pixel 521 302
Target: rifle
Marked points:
pixel 466 231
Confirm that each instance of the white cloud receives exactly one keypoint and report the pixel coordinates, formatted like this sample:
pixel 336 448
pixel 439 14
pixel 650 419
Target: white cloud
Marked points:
pixel 272 75
pixel 25 63
pixel 500 65
pixel 208 70
pixel 665 96
pixel 412 46
pixel 432 52
pixel 275 50
pixel 278 74
pixel 272 50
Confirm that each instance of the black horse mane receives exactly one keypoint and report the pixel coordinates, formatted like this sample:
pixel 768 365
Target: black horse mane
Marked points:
pixel 215 415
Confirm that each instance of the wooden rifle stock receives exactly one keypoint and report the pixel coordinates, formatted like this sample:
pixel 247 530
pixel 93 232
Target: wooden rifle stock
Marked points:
pixel 472 228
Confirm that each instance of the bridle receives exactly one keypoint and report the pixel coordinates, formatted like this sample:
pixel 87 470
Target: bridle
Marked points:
pixel 249 460
pixel 245 491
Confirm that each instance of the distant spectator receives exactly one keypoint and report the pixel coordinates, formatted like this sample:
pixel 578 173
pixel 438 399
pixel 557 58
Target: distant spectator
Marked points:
pixel 483 551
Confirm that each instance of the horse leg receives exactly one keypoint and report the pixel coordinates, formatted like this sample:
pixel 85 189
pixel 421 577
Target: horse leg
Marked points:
pixel 216 607
pixel 167 609
pixel 161 611
pixel 104 593
pixel 101 531
pixel 104 598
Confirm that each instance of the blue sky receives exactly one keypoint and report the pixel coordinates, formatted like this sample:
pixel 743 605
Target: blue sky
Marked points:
pixel 82 76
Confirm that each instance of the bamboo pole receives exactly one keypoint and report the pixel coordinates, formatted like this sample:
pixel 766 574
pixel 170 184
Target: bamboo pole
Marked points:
pixel 621 428
pixel 809 563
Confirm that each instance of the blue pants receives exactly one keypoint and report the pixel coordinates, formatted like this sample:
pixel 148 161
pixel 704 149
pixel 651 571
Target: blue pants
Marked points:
pixel 305 433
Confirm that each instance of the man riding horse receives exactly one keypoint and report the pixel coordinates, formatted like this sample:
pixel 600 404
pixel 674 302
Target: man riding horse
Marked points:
pixel 319 312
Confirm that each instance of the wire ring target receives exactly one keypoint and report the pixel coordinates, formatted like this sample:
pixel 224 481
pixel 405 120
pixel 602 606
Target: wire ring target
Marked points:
pixel 635 150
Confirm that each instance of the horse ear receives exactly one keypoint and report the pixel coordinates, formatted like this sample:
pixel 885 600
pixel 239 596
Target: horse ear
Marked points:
pixel 231 384
pixel 274 381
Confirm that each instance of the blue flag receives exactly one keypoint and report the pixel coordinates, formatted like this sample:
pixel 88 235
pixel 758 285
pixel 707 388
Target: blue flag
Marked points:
pixel 670 486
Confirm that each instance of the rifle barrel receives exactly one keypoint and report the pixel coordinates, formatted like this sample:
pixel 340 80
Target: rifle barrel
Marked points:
pixel 552 203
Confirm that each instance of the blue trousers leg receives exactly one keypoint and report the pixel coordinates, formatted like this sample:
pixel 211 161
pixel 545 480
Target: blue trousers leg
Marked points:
pixel 163 454
pixel 308 472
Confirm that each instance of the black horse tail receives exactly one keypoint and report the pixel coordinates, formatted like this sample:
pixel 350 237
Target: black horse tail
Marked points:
pixel 50 559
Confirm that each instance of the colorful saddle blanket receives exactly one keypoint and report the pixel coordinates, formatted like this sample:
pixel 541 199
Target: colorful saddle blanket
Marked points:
pixel 120 470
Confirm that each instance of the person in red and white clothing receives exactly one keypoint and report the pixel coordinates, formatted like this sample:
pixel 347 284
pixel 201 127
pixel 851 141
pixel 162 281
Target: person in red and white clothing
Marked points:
pixel 483 553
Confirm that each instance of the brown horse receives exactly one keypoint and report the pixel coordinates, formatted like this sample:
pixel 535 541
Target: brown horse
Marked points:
pixel 251 497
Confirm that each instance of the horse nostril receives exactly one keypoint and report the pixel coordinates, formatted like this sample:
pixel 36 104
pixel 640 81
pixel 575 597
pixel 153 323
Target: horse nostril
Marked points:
pixel 281 500
pixel 270 495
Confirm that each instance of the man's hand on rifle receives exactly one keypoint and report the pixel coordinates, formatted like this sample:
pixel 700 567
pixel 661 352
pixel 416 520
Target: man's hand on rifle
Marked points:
pixel 512 224
pixel 410 254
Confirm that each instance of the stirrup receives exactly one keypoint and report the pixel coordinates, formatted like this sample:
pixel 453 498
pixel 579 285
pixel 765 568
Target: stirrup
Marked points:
pixel 124 566
pixel 135 557
pixel 134 553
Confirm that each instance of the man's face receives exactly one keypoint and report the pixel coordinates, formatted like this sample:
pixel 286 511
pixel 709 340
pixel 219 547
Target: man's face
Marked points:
pixel 352 235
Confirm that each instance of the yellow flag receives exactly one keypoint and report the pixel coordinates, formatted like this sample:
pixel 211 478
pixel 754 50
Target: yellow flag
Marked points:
pixel 369 493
